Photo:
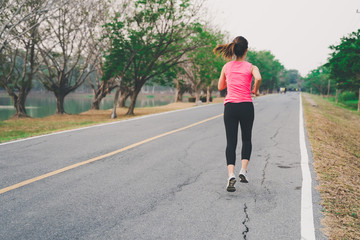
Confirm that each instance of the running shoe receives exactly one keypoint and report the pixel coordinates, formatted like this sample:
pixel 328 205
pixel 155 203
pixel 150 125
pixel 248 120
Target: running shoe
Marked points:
pixel 231 184
pixel 243 176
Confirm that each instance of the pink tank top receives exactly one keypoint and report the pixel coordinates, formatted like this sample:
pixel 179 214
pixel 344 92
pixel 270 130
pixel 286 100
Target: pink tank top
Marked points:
pixel 238 79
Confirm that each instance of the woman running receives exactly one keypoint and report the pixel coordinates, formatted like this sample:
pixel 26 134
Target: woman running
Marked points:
pixel 236 76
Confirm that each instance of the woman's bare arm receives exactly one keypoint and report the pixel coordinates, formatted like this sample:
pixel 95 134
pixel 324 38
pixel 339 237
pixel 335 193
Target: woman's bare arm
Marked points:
pixel 257 76
pixel 222 80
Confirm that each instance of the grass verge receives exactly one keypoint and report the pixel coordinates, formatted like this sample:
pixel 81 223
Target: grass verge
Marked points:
pixel 348 104
pixel 334 134
pixel 13 129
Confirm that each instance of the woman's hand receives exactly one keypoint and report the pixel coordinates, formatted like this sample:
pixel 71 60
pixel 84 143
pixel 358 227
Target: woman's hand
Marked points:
pixel 255 93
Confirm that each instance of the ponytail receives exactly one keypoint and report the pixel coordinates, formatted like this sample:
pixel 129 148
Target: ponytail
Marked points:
pixel 237 47
pixel 226 50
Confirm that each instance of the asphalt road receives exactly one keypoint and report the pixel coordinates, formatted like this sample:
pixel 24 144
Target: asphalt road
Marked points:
pixel 172 187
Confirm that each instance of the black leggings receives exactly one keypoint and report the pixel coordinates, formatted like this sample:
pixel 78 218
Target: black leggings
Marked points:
pixel 233 114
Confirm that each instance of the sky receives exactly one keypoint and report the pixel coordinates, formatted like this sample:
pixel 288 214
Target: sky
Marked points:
pixel 297 32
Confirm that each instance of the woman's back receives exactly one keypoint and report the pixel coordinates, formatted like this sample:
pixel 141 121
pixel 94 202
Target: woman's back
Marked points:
pixel 238 79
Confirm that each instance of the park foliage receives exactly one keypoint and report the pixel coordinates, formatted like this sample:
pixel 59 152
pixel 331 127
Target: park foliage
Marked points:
pixel 340 76
pixel 117 46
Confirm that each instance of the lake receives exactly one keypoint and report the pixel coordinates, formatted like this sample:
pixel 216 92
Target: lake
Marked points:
pixel 42 104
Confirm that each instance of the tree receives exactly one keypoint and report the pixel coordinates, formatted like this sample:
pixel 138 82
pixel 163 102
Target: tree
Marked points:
pixel 213 65
pixel 292 77
pixel 13 15
pixel 344 63
pixel 20 58
pixel 66 57
pixel 202 67
pixel 182 84
pixel 156 34
pixel 99 16
pixel 318 80
pixel 118 60
pixel 270 68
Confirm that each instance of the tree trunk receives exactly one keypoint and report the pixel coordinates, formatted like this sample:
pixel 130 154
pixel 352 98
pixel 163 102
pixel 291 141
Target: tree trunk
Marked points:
pixel 123 97
pixel 336 97
pixel 179 92
pixel 103 88
pixel 20 106
pixel 133 102
pixel 271 87
pixel 208 94
pixel 95 105
pixel 18 102
pixel 328 90
pixel 116 98
pixel 179 96
pixel 98 95
pixel 197 95
pixel 60 103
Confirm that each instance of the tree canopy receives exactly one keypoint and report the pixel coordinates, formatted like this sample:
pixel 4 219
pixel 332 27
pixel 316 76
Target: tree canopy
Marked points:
pixel 344 63
pixel 149 41
pixel 342 68
pixel 269 66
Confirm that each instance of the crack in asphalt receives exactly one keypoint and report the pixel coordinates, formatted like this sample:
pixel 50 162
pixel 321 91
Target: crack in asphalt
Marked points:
pixel 264 169
pixel 264 175
pixel 274 136
pixel 153 205
pixel 186 153
pixel 187 182
pixel 181 158
pixel 246 220
pixel 276 133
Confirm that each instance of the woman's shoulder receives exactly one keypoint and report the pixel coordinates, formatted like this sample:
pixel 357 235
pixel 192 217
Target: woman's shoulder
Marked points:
pixel 227 65
pixel 248 63
pixel 239 62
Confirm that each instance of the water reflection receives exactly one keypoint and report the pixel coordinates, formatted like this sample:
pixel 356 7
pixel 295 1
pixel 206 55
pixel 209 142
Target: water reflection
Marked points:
pixel 44 104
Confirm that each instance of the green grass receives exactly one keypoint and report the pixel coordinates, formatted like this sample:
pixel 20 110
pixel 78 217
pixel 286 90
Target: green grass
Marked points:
pixel 81 123
pixel 348 104
pixel 23 128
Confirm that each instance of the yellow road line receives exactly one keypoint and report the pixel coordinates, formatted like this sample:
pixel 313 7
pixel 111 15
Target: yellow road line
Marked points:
pixel 49 174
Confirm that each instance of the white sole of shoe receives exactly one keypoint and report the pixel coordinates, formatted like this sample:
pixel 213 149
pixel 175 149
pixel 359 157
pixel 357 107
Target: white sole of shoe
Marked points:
pixel 231 185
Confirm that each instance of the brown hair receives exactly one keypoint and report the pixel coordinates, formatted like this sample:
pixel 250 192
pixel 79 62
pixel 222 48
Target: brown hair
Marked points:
pixel 237 47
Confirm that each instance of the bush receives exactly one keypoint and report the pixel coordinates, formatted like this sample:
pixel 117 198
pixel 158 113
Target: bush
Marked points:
pixel 352 104
pixel 347 96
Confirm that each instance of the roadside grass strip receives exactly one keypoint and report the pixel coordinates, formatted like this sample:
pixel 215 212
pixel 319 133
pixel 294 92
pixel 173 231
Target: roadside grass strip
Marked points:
pixel 15 128
pixel 334 135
